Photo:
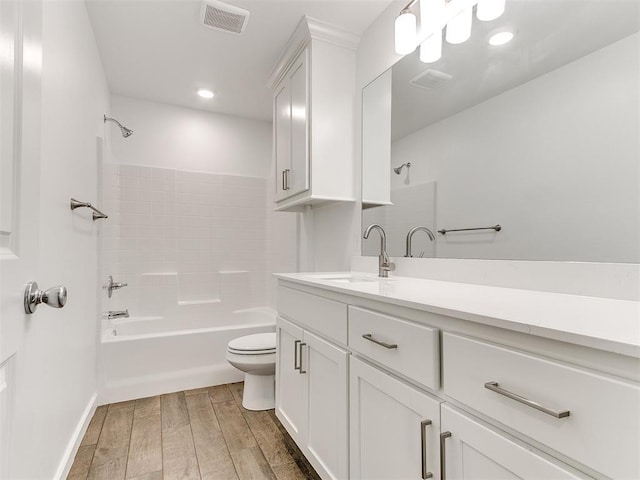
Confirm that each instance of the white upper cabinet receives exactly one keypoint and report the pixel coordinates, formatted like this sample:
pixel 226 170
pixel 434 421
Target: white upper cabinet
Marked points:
pixel 314 91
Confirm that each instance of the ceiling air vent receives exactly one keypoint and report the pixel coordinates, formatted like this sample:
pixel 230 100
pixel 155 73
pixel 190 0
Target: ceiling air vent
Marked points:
pixel 223 16
pixel 430 79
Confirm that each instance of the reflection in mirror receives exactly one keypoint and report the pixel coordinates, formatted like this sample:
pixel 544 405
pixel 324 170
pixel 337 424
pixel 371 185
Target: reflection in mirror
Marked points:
pixel 540 135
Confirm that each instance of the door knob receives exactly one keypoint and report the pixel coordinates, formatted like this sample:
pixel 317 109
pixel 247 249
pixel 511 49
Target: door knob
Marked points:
pixel 55 297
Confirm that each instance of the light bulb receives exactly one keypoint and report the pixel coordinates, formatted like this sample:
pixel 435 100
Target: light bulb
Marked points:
pixel 459 27
pixel 204 93
pixel 406 33
pixel 490 9
pixel 500 38
pixel 432 14
pixel 431 48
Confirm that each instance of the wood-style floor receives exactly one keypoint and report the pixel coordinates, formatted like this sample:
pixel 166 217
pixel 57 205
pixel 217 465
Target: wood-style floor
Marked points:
pixel 202 434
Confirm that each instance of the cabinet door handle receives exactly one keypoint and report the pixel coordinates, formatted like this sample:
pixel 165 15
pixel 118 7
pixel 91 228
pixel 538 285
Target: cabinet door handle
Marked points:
pixel 296 365
pixel 494 387
pixel 286 178
pixel 300 370
pixel 443 455
pixel 369 336
pixel 284 181
pixel 423 445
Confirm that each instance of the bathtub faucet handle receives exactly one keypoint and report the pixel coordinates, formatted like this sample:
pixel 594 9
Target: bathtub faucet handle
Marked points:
pixel 110 286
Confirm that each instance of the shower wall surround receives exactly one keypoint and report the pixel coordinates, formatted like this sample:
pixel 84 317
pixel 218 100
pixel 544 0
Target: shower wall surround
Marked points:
pixel 184 240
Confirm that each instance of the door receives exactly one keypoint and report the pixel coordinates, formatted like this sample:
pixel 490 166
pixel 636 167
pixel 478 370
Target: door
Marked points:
pixel 289 400
pixel 298 178
pixel 20 79
pixel 282 138
pixel 394 432
pixel 476 451
pixel 326 429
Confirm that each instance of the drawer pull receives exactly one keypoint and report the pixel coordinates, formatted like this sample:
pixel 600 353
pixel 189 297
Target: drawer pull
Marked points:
pixel 300 370
pixel 423 445
pixel 443 455
pixel 368 336
pixel 296 365
pixel 493 386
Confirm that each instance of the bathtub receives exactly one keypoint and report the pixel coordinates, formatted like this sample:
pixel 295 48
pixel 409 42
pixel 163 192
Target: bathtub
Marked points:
pixel 148 356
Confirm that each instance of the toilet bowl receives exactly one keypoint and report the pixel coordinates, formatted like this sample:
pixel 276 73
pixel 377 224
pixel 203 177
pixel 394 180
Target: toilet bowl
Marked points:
pixel 256 356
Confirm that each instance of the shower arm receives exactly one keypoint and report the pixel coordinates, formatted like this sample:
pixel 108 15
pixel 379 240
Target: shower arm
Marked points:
pixel 109 119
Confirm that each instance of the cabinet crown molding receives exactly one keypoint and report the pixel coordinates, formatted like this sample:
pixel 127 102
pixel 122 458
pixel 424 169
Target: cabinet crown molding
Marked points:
pixel 309 29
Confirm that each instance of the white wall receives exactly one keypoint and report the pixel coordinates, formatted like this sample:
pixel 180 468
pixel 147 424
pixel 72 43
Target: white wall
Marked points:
pixel 55 368
pixel 167 136
pixel 568 192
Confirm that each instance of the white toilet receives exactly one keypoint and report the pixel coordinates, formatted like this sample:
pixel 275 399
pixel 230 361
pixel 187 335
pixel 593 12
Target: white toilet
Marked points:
pixel 256 356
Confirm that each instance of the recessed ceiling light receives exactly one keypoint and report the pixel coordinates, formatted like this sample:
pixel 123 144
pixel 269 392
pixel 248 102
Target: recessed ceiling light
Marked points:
pixel 204 93
pixel 500 38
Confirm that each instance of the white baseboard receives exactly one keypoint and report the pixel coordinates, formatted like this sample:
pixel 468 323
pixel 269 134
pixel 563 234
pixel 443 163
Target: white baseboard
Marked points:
pixel 72 447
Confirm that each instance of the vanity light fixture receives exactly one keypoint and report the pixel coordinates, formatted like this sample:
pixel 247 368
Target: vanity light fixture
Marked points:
pixel 459 27
pixel 488 10
pixel 406 31
pixel 500 38
pixel 431 13
pixel 456 16
pixel 204 93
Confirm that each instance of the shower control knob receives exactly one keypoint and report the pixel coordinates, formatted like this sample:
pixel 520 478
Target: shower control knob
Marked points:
pixel 55 297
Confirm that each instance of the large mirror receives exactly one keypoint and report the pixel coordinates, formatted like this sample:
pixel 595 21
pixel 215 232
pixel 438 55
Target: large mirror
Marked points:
pixel 540 136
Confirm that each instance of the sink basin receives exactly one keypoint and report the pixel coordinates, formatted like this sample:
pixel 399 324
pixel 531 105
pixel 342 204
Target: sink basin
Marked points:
pixel 343 278
pixel 352 280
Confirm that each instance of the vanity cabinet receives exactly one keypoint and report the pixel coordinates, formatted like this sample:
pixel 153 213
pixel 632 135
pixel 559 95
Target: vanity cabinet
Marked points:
pixel 312 382
pixel 313 84
pixel 434 396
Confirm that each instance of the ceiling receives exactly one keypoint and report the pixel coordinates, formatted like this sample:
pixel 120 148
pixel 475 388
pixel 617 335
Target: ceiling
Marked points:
pixel 158 50
pixel 548 35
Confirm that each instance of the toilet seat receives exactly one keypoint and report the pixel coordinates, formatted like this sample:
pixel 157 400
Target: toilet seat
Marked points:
pixel 257 344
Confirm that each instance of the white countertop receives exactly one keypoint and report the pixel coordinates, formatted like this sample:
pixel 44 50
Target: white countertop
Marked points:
pixel 606 324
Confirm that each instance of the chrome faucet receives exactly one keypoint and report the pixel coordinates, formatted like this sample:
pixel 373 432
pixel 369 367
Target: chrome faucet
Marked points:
pixel 410 237
pixel 111 314
pixel 384 264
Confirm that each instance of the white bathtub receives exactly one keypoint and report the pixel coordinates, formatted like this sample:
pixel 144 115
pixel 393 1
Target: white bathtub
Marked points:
pixel 148 356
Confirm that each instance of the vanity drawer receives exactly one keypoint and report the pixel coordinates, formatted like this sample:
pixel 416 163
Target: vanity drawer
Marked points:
pixel 407 348
pixel 601 429
pixel 316 313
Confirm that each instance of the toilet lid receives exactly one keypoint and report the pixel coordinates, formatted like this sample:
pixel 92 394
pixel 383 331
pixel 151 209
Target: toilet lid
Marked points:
pixel 252 344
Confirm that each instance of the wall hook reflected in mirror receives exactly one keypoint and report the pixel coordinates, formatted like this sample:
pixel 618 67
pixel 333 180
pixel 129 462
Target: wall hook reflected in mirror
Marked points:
pixel 399 169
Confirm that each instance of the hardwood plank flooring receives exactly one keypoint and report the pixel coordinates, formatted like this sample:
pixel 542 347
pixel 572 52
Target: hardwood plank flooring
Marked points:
pixel 199 434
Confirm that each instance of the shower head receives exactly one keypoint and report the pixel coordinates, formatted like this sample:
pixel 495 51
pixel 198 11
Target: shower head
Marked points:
pixel 399 169
pixel 124 130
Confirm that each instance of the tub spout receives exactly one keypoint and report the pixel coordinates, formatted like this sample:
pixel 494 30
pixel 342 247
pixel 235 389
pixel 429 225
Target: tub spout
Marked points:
pixel 111 314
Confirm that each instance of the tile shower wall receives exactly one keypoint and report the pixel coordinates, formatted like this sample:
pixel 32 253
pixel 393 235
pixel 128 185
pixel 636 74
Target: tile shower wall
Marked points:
pixel 183 238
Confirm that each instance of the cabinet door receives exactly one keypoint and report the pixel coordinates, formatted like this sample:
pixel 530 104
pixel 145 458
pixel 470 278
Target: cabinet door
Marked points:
pixel 477 451
pixel 326 395
pixel 289 380
pixel 282 138
pixel 394 433
pixel 298 177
